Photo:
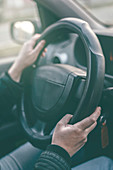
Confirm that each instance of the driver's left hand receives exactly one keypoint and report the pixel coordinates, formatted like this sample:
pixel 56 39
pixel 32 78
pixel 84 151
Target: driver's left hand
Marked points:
pixel 26 57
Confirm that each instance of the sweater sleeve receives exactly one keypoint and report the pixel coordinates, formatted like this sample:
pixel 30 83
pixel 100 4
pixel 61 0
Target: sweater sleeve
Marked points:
pixel 54 158
pixel 9 92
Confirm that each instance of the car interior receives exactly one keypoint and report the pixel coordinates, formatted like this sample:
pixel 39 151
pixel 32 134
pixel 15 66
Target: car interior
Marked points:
pixel 79 49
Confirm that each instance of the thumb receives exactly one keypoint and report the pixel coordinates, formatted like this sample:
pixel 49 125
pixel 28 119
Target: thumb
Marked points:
pixel 66 119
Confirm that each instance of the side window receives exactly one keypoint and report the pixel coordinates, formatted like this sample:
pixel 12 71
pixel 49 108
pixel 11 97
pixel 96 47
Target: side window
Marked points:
pixel 11 10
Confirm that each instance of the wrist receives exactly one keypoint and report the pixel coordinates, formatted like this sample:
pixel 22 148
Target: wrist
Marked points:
pixel 68 150
pixel 15 72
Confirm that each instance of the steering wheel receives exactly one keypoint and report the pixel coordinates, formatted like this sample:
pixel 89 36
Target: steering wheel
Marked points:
pixel 53 90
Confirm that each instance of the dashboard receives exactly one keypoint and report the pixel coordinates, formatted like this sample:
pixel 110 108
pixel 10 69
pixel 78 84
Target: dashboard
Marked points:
pixel 107 48
pixel 71 51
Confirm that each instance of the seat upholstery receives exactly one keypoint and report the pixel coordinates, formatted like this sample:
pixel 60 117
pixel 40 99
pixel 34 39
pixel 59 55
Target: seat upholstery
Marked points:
pixel 22 158
pixel 26 156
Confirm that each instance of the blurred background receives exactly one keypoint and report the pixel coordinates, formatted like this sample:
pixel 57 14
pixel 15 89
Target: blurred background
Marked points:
pixel 11 10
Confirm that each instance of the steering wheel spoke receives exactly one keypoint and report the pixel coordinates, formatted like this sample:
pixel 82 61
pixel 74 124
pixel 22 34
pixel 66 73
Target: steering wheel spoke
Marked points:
pixel 39 127
pixel 80 88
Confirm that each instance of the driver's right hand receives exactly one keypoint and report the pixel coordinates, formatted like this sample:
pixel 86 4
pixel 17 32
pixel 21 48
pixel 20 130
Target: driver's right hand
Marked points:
pixel 73 137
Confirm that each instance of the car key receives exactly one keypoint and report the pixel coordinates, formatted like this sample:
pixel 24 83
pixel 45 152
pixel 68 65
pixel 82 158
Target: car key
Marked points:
pixel 104 132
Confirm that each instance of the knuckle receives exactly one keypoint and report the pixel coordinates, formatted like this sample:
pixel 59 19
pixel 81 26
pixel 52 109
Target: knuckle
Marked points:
pixel 78 130
pixel 59 124
pixel 83 136
pixel 92 120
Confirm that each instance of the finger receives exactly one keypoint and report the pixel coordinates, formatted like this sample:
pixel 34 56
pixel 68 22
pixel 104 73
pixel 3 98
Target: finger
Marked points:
pixel 35 38
pixel 39 47
pixel 45 50
pixel 87 122
pixel 43 54
pixel 96 114
pixel 66 119
pixel 88 130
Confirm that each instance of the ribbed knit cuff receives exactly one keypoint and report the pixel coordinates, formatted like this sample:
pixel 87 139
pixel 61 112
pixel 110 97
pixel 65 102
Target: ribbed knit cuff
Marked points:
pixel 60 151
pixel 15 89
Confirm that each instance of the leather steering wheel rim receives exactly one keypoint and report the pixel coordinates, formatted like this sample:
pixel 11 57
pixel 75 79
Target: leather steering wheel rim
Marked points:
pixel 94 79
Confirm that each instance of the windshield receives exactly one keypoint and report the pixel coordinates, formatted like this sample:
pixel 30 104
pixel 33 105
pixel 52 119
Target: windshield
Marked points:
pixel 101 9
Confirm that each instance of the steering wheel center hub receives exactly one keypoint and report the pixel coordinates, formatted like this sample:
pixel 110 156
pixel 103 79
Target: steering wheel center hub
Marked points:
pixel 53 86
